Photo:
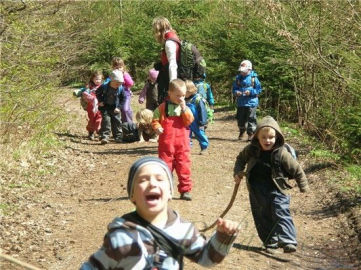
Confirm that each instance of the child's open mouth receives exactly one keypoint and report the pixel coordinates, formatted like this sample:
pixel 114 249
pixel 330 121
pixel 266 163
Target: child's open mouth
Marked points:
pixel 152 197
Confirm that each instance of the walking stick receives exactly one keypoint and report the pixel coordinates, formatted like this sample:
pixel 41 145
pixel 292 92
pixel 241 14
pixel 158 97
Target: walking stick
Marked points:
pixel 235 190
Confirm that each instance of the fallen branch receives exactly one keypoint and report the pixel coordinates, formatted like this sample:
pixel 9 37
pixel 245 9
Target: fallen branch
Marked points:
pixel 13 260
pixel 235 190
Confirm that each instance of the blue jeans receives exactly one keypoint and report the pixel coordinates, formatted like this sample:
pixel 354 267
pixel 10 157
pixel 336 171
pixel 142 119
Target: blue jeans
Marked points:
pixel 271 214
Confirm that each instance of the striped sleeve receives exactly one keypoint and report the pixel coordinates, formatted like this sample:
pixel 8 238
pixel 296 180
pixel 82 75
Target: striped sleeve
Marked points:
pixel 208 253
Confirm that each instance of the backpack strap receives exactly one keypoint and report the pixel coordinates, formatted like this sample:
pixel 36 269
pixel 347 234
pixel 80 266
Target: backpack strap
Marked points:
pixel 166 113
pixel 253 78
pixel 178 41
pixel 162 240
pixel 276 163
pixel 178 50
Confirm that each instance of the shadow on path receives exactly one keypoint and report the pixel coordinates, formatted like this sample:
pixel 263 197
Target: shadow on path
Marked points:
pixel 106 199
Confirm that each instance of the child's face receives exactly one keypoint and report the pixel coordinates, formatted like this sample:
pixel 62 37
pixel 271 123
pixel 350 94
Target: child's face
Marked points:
pixel 151 191
pixel 267 138
pixel 177 96
pixel 188 94
pixel 115 84
pixel 97 80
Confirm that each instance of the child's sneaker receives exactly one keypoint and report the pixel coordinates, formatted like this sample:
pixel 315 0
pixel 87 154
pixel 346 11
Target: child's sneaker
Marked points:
pixel 289 248
pixel 250 137
pixel 104 141
pixel 91 136
pixel 186 196
pixel 118 140
pixel 273 250
pixel 242 136
pixel 204 151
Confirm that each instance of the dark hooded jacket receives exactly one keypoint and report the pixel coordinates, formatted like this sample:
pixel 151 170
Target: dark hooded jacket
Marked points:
pixel 289 167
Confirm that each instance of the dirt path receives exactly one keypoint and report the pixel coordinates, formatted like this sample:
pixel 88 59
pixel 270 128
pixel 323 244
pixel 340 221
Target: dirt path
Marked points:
pixel 65 220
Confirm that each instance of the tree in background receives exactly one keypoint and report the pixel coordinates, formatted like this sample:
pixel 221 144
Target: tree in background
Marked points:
pixel 307 54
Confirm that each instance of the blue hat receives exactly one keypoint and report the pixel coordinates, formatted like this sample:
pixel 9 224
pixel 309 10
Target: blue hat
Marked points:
pixel 145 161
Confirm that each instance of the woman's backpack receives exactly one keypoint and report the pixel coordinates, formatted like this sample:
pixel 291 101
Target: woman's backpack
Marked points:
pixel 191 64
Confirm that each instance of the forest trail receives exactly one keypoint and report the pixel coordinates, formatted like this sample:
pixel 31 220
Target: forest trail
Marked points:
pixel 65 222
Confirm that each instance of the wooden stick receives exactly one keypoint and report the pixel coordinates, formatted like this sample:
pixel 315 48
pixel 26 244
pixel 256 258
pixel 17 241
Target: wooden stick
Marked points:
pixel 13 260
pixel 235 190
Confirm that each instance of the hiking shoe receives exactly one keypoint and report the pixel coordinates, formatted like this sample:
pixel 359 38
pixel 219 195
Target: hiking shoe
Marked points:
pixel 273 250
pixel 241 135
pixel 289 248
pixel 118 140
pixel 104 141
pixel 204 151
pixel 186 196
pixel 91 136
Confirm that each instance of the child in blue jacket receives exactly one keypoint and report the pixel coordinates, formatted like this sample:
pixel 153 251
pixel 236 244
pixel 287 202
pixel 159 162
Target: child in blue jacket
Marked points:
pixel 205 90
pixel 246 89
pixel 196 104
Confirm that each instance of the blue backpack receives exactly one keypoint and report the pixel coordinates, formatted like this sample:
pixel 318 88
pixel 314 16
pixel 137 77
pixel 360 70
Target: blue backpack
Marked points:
pixel 206 111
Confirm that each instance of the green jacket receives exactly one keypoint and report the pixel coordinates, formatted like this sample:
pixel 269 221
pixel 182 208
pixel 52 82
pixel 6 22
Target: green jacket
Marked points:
pixel 290 168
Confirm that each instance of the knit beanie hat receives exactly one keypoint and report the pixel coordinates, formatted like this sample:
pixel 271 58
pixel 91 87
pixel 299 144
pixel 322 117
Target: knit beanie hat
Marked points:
pixel 139 164
pixel 117 76
pixel 153 74
pixel 245 66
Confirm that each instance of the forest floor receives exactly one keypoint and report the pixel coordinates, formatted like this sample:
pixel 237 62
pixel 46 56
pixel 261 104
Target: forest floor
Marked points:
pixel 60 222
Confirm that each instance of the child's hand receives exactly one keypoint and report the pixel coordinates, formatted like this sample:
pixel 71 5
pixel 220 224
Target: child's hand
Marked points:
pixel 101 104
pixel 116 110
pixel 227 226
pixel 183 104
pixel 238 93
pixel 159 130
pixel 238 177
pixel 247 92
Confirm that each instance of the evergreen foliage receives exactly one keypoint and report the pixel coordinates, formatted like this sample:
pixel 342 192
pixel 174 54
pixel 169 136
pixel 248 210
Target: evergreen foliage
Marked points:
pixel 306 53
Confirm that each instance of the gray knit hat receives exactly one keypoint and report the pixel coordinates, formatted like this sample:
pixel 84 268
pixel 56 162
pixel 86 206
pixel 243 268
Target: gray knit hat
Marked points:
pixel 117 76
pixel 145 161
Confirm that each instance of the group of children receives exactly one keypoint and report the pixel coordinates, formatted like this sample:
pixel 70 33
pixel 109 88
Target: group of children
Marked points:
pixel 154 236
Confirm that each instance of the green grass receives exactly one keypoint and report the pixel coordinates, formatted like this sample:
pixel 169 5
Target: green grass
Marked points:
pixel 7 209
pixel 354 177
pixel 324 154
pixel 347 178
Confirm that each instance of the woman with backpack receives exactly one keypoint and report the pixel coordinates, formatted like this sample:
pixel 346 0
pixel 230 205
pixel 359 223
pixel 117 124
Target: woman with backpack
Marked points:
pixel 167 67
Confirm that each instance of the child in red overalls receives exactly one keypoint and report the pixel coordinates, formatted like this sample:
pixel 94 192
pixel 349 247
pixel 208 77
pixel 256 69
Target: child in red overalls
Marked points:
pixel 90 103
pixel 170 121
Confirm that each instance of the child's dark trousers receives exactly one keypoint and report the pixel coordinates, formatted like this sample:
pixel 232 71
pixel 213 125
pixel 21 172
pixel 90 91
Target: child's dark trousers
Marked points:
pixel 247 119
pixel 271 214
pixel 111 122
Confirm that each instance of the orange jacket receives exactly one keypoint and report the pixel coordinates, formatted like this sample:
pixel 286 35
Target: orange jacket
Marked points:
pixel 187 117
